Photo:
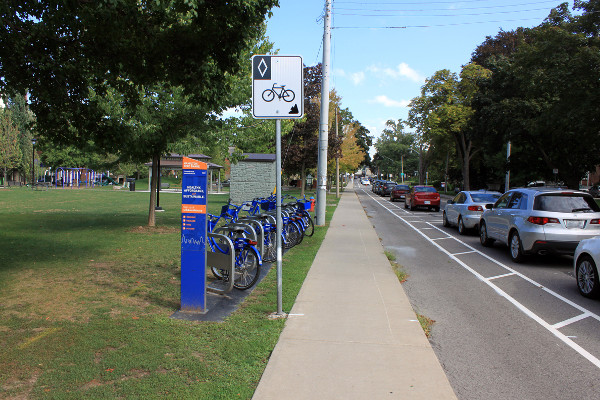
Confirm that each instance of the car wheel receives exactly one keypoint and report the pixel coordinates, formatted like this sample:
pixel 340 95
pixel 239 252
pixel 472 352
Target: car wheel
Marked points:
pixel 461 226
pixel 445 219
pixel 483 237
pixel 515 247
pixel 436 209
pixel 587 277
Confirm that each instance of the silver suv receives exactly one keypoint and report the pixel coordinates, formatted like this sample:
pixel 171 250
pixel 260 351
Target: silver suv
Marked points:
pixel 540 221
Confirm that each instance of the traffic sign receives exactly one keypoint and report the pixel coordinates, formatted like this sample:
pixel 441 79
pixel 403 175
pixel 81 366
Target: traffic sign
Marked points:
pixel 277 87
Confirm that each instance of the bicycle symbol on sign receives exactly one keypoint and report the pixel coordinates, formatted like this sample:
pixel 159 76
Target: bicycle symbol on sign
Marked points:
pixel 286 94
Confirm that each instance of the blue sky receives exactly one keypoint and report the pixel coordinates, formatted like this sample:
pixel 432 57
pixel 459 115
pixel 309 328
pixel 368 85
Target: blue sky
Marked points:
pixel 378 70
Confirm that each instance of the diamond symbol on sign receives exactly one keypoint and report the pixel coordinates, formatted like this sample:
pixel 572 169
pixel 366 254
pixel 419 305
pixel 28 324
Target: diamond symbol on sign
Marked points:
pixel 262 67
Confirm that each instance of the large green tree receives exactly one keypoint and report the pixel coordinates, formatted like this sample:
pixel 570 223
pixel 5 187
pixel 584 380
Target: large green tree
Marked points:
pixel 10 152
pixel 396 152
pixel 98 71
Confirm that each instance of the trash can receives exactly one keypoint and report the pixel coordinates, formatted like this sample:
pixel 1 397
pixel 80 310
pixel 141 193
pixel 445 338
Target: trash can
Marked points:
pixel 131 182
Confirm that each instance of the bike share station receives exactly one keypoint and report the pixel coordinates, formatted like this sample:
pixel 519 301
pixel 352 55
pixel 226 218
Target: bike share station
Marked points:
pixel 277 93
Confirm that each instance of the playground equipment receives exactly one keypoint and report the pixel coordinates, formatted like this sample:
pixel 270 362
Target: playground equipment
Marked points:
pixel 78 177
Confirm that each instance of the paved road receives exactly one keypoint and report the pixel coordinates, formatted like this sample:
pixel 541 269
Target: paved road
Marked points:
pixel 503 331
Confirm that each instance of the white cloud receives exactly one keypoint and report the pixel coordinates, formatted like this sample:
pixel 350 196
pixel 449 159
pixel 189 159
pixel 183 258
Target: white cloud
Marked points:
pixel 401 71
pixel 387 102
pixel 357 77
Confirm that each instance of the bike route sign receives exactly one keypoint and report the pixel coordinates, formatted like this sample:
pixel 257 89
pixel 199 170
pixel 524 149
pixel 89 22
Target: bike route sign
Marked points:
pixel 193 236
pixel 277 87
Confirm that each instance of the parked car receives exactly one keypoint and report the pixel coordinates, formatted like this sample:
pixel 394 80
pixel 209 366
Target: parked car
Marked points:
pixel 540 221
pixel 386 188
pixel 594 190
pixel 422 196
pixel 399 192
pixel 376 184
pixel 465 209
pixel 585 267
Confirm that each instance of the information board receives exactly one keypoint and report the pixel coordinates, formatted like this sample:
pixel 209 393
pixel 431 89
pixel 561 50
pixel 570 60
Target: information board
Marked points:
pixel 193 235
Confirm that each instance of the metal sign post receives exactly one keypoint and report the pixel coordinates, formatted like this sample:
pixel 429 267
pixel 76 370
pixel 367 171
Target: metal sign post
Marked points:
pixel 277 93
pixel 193 236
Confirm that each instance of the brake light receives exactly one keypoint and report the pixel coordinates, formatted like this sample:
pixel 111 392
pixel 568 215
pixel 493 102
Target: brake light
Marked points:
pixel 475 208
pixel 595 221
pixel 542 220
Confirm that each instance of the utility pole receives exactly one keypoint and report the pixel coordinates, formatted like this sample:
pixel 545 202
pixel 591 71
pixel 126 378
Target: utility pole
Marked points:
pixel 324 125
pixel 337 162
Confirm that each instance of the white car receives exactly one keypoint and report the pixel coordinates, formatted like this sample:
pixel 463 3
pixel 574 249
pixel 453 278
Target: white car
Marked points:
pixel 465 209
pixel 585 266
pixel 364 181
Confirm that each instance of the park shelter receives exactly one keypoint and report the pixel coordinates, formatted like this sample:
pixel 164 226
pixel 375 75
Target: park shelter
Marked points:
pixel 251 177
pixel 173 162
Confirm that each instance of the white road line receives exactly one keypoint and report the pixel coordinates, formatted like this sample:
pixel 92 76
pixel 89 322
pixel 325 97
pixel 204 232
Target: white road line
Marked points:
pixel 500 276
pixel 570 321
pixel 464 252
pixel 551 328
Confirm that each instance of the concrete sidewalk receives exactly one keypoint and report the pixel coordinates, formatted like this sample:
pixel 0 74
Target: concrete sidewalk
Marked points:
pixel 352 333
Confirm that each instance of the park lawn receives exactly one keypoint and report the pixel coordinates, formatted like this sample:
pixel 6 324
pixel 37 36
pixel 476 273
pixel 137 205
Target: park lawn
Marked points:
pixel 86 294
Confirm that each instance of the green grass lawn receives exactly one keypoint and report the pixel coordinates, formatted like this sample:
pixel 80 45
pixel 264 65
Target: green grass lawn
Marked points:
pixel 86 291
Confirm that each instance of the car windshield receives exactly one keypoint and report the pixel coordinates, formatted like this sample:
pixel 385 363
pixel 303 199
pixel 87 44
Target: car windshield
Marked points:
pixel 425 189
pixel 401 187
pixel 484 197
pixel 565 203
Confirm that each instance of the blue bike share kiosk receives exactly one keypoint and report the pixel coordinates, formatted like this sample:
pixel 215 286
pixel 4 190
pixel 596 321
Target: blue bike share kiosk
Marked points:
pixel 193 236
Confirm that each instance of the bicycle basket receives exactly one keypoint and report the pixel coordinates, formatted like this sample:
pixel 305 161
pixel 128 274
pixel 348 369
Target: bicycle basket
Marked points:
pixel 306 205
pixel 268 206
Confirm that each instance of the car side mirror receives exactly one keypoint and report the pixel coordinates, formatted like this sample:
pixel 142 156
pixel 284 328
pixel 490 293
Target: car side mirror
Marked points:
pixel 489 206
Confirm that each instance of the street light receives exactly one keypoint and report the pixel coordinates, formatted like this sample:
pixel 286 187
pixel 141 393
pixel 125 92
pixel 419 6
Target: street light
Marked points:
pixel 33 142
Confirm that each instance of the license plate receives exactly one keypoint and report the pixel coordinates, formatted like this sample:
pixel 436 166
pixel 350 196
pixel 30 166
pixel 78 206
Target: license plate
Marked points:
pixel 427 202
pixel 574 223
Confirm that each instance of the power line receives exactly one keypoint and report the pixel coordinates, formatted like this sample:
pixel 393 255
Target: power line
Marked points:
pixel 440 15
pixel 445 9
pixel 407 3
pixel 435 25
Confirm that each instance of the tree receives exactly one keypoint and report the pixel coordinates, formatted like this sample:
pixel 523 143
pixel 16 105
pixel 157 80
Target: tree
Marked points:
pixel 352 153
pixel 24 121
pixel 444 110
pixel 544 98
pixel 396 149
pixel 10 152
pixel 94 68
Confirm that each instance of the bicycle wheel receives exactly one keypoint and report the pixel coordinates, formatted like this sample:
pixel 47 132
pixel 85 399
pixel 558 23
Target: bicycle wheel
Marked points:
pixel 288 95
pixel 291 233
pixel 268 95
pixel 270 247
pixel 301 227
pixel 247 269
pixel 310 225
pixel 223 248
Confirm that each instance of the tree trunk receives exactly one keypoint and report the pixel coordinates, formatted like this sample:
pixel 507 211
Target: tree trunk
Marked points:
pixel 5 178
pixel 465 173
pixel 153 185
pixel 303 179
